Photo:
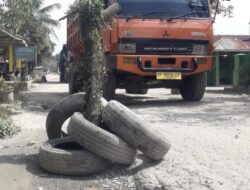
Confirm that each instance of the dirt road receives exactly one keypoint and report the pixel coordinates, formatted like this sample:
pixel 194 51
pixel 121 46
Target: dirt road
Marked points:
pixel 210 144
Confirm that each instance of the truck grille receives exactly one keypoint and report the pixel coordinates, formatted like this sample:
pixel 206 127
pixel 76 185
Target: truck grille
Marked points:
pixel 163 46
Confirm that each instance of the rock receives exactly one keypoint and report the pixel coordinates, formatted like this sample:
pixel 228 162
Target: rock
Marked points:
pixel 244 96
pixel 40 188
pixel 31 143
pixel 3 147
pixel 45 107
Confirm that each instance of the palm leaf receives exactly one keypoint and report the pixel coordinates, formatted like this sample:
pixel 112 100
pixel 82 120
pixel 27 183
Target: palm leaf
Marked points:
pixel 49 8
pixel 49 21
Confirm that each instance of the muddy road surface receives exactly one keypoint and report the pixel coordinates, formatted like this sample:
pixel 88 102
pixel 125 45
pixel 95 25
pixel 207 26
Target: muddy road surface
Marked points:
pixel 210 144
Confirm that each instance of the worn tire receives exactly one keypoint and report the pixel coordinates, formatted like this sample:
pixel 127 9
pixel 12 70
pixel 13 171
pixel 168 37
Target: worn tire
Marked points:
pixel 66 157
pixel 99 141
pixel 61 112
pixel 135 130
pixel 193 87
pixel 109 86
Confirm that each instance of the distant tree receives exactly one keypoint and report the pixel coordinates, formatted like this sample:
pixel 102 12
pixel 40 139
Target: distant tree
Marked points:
pixel 40 26
pixel 225 10
pixel 31 19
pixel 14 14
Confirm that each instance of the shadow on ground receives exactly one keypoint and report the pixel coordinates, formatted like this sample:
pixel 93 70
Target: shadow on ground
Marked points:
pixel 42 101
pixel 32 166
pixel 146 102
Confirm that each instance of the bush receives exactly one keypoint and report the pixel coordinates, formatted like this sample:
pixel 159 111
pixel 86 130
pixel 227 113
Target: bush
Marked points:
pixel 245 75
pixel 7 127
pixel 4 87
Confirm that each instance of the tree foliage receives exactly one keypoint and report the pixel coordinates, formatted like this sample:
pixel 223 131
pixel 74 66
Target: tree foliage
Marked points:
pixel 30 19
pixel 221 7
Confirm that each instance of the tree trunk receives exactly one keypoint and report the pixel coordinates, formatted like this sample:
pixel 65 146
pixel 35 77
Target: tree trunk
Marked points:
pixel 92 17
pixel 94 67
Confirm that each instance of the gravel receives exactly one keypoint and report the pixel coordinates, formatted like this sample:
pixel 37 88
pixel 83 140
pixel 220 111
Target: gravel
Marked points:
pixel 210 145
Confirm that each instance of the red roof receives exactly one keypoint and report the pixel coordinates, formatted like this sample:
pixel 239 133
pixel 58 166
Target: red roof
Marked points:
pixel 232 43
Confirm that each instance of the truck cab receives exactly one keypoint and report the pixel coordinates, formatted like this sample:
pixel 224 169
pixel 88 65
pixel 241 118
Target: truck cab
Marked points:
pixel 155 44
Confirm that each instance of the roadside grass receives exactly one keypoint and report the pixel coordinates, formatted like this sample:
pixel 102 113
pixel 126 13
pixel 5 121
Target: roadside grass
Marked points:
pixel 7 127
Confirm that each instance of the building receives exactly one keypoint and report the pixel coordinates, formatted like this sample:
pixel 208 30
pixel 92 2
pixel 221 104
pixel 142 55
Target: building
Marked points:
pixel 231 51
pixel 7 45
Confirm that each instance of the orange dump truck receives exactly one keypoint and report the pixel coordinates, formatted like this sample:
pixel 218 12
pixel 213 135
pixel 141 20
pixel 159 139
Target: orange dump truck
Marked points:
pixel 152 44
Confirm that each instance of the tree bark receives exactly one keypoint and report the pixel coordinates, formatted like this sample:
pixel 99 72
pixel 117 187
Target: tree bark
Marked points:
pixel 91 23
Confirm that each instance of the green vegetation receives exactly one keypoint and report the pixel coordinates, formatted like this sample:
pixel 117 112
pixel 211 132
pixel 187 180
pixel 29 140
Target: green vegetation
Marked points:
pixel 7 127
pixel 4 87
pixel 32 20
pixel 225 10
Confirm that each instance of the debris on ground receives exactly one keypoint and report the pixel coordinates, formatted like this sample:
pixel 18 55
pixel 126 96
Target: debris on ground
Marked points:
pixel 31 143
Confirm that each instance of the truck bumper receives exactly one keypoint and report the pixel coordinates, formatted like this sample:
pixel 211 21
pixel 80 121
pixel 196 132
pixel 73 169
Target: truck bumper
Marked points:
pixel 148 65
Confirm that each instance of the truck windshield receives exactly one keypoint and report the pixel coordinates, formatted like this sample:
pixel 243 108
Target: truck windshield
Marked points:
pixel 164 9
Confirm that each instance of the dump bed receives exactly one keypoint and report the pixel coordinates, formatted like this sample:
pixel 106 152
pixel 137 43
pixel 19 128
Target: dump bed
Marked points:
pixel 74 39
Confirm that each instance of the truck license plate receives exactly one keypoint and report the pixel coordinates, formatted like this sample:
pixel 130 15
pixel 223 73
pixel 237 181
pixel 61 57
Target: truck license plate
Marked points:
pixel 168 76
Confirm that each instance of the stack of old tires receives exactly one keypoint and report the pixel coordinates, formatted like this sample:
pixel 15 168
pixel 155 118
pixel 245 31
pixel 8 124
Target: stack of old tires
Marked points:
pixel 90 149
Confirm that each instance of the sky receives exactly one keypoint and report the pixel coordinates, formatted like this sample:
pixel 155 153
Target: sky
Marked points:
pixel 238 25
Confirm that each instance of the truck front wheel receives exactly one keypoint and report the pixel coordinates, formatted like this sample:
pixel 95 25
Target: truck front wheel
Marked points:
pixel 142 91
pixel 193 87
pixel 109 86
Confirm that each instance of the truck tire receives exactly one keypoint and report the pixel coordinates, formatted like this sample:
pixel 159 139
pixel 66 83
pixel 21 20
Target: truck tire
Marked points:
pixel 109 86
pixel 74 87
pixel 143 91
pixel 136 91
pixel 61 112
pixel 193 87
pixel 66 157
pixel 132 91
pixel 135 130
pixel 99 141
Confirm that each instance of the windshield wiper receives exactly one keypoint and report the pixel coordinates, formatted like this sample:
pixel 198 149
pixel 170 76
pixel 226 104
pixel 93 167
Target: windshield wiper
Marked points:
pixel 185 15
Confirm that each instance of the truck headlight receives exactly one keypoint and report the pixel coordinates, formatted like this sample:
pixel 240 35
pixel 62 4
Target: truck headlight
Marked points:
pixel 127 48
pixel 200 49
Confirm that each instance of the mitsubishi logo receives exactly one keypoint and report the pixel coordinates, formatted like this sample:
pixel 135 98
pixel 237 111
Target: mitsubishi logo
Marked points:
pixel 165 34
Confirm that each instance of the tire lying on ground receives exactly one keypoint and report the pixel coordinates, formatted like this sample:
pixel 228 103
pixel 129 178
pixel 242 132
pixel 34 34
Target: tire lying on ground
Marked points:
pixel 134 130
pixel 61 112
pixel 66 157
pixel 99 141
